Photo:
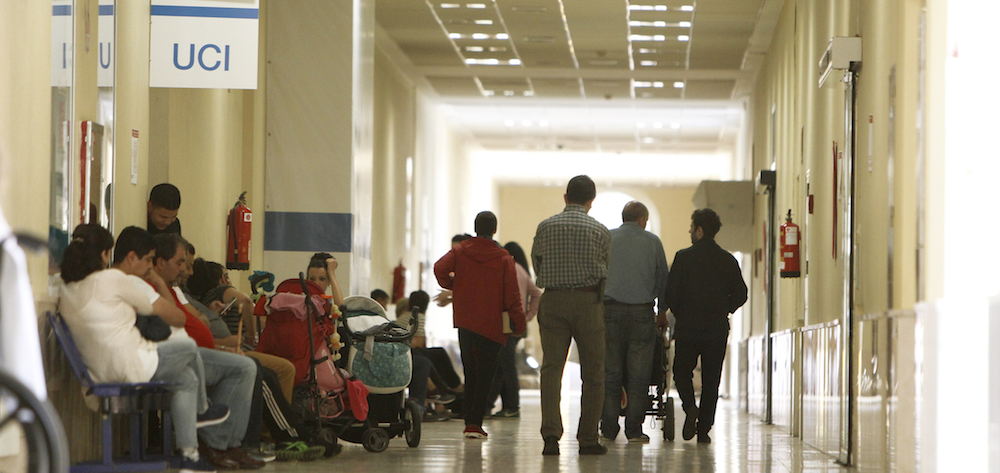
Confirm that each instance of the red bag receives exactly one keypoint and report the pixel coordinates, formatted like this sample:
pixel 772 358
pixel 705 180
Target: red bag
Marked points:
pixel 357 399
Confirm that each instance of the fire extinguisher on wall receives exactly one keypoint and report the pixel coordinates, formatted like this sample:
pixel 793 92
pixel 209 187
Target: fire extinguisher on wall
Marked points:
pixel 790 238
pixel 238 241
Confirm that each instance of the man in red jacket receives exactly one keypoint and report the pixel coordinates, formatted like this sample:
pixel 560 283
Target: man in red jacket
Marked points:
pixel 483 280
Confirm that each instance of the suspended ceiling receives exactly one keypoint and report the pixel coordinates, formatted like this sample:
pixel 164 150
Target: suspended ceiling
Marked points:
pixel 642 76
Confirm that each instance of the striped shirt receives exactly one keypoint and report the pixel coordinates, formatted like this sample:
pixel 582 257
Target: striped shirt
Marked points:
pixel 571 249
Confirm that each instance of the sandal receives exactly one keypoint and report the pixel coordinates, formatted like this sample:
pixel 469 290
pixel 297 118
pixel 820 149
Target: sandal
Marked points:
pixel 298 451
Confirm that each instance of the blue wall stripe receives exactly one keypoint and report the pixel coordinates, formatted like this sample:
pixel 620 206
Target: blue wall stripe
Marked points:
pixel 204 12
pixel 62 10
pixel 307 231
pixel 104 10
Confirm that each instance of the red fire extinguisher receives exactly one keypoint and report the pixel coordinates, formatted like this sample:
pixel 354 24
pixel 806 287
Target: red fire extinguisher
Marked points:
pixel 398 282
pixel 238 242
pixel 790 239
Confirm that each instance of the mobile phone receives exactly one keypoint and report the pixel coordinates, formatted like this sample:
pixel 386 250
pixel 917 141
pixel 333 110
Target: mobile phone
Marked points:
pixel 228 306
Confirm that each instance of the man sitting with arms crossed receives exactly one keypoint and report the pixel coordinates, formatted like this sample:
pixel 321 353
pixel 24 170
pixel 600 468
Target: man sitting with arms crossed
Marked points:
pixel 229 378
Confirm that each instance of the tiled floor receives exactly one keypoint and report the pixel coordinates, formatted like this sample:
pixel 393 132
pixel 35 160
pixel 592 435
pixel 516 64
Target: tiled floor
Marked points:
pixel 740 444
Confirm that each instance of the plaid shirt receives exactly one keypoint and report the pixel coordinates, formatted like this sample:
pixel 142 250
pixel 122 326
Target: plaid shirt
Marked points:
pixel 571 249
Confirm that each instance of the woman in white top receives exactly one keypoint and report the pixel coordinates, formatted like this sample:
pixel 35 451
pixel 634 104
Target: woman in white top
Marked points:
pixel 100 307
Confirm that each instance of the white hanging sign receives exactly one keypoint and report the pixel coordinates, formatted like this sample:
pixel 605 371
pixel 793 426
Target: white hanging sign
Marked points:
pixel 62 43
pixel 203 44
pixel 106 44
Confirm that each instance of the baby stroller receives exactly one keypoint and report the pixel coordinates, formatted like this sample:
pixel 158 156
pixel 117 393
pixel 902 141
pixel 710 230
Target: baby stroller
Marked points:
pixel 380 358
pixel 659 404
pixel 299 329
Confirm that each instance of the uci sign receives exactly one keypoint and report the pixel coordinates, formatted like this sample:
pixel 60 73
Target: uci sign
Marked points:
pixel 203 44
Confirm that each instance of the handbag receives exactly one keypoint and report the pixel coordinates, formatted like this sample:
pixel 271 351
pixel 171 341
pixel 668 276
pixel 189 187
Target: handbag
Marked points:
pixel 152 327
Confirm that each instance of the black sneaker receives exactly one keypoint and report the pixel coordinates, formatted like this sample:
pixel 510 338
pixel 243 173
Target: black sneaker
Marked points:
pixel 704 438
pixel 196 466
pixel 507 414
pixel 215 414
pixel 596 449
pixel 551 446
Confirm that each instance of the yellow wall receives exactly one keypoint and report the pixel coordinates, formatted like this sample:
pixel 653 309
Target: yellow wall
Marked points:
pixel 25 94
pixel 806 121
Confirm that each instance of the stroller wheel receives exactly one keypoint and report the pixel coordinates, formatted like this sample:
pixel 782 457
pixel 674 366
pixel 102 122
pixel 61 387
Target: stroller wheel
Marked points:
pixel 412 415
pixel 328 439
pixel 668 420
pixel 375 440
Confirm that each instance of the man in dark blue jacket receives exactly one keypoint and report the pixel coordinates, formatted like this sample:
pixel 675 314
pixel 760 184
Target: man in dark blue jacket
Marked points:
pixel 705 285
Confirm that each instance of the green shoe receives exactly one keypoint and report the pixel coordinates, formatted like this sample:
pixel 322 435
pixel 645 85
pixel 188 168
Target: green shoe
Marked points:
pixel 298 451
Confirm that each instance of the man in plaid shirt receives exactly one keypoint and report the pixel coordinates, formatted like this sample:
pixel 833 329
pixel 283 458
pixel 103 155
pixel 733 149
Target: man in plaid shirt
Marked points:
pixel 570 255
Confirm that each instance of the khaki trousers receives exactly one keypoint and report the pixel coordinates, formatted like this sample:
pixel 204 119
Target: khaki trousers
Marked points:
pixel 578 315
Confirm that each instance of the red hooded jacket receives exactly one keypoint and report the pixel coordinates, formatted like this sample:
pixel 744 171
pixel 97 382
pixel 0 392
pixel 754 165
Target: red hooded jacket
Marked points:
pixel 483 280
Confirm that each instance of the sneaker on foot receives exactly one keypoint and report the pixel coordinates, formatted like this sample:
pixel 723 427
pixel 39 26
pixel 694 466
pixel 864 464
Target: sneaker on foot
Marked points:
pixel 431 416
pixel 473 431
pixel 244 459
pixel 507 414
pixel 441 398
pixel 551 446
pixel 299 451
pixel 215 414
pixel 596 449
pixel 642 438
pixel 196 466
pixel 704 438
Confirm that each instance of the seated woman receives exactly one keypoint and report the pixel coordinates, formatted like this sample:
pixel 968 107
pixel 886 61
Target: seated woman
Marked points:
pixel 100 307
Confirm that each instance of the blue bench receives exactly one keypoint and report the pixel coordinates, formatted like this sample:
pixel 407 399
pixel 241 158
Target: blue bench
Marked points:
pixel 134 399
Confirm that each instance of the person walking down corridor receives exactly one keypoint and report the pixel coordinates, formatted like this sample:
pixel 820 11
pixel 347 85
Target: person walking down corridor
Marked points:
pixel 570 254
pixel 704 287
pixel 636 276
pixel 483 281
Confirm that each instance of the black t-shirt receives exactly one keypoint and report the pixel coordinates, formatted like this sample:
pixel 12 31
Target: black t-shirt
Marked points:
pixel 174 227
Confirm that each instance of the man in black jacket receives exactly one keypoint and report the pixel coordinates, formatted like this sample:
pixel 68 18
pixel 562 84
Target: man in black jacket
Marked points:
pixel 705 285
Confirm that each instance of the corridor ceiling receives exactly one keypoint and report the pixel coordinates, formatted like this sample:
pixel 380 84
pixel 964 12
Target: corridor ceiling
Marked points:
pixel 640 76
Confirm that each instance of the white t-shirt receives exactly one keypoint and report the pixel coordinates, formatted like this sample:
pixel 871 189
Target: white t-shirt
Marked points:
pixel 100 311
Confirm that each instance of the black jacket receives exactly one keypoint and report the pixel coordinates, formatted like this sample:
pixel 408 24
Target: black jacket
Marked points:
pixel 705 285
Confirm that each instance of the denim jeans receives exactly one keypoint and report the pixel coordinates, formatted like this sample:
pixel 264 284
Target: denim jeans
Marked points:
pixel 229 379
pixel 179 363
pixel 630 333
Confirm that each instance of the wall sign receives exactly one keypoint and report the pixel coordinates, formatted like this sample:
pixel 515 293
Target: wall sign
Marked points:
pixel 106 44
pixel 203 44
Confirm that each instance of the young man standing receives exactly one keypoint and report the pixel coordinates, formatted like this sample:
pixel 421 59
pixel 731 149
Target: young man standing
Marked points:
pixel 161 209
pixel 704 287
pixel 483 281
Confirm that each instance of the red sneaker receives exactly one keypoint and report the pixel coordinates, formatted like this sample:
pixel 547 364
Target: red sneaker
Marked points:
pixel 473 431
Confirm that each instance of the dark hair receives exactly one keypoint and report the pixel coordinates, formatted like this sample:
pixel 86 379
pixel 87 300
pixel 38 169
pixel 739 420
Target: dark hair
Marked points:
pixel 83 255
pixel 633 211
pixel 133 240
pixel 486 223
pixel 166 196
pixel 517 252
pixel 580 190
pixel 420 299
pixel 205 277
pixel 460 238
pixel 189 247
pixel 379 294
pixel 318 260
pixel 708 220
pixel 166 245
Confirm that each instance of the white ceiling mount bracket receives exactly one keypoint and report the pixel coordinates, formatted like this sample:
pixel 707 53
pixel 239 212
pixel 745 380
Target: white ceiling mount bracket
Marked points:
pixel 840 53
